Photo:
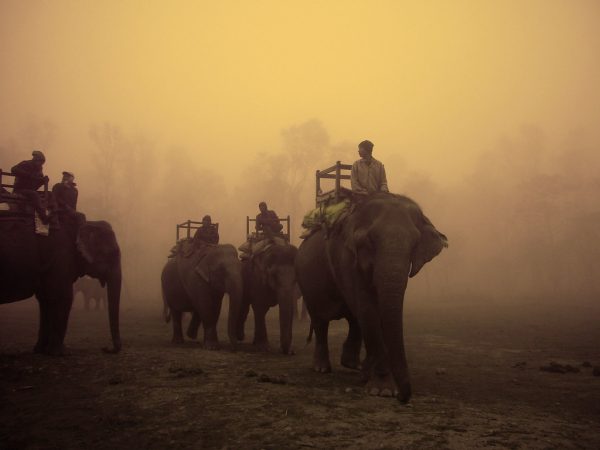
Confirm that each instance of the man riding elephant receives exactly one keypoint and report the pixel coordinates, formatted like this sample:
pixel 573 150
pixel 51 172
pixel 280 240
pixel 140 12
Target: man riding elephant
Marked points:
pixel 65 196
pixel 208 233
pixel 267 220
pixel 29 177
pixel 368 174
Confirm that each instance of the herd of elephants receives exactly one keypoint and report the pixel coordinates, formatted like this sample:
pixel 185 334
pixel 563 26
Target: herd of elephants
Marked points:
pixel 357 270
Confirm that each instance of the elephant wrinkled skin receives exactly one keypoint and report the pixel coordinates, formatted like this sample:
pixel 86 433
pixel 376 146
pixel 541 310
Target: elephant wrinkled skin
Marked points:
pixel 360 272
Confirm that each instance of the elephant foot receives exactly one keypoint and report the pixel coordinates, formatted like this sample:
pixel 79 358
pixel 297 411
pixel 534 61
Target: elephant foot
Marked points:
pixel 111 350
pixel 382 386
pixel 322 366
pixel 59 350
pixel 351 361
pixel 211 345
pixel 177 340
pixel 192 334
pixel 39 348
pixel 262 347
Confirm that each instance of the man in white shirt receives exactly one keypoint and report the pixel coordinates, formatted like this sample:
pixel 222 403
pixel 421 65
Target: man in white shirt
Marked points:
pixel 368 174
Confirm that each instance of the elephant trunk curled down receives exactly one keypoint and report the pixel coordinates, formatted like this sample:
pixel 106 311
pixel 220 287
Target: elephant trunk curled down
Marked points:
pixel 360 272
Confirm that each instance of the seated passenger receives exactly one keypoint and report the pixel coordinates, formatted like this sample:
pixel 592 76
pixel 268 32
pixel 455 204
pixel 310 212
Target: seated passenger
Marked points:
pixel 267 221
pixel 28 179
pixel 65 196
pixel 207 232
pixel 368 174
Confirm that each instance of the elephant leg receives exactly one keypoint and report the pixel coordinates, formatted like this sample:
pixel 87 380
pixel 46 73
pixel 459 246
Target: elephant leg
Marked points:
pixel 304 313
pixel 192 331
pixel 352 345
pixel 261 341
pixel 376 368
pixel 245 309
pixel 59 319
pixel 211 340
pixel 177 331
pixel 42 342
pixel 321 356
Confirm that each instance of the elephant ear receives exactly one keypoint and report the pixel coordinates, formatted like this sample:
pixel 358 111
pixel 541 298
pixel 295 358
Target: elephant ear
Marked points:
pixel 97 242
pixel 430 244
pixel 202 268
pixel 360 245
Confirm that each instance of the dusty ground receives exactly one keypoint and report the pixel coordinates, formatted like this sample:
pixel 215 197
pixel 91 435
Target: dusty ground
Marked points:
pixel 155 395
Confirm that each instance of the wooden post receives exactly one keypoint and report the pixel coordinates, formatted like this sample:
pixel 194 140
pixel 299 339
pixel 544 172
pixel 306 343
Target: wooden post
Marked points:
pixel 247 226
pixel 337 180
pixel 189 227
pixel 318 187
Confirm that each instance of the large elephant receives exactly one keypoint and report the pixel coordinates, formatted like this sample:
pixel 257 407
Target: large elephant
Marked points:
pixel 359 271
pixel 196 282
pixel 47 266
pixel 270 280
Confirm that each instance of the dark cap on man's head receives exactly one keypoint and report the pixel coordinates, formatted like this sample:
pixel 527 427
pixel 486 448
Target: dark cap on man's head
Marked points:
pixel 262 203
pixel 367 145
pixel 68 174
pixel 38 155
pixel 206 218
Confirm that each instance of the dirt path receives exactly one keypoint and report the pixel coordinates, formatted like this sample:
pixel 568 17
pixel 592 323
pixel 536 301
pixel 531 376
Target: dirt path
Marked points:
pixel 475 373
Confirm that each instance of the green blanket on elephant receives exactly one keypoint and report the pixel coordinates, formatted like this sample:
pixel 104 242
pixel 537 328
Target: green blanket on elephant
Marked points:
pixel 187 247
pixel 325 216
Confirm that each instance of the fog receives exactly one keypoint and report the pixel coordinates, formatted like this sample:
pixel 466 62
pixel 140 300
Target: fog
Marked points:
pixel 487 114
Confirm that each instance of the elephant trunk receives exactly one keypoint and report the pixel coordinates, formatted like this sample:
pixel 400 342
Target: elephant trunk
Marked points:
pixel 113 287
pixel 285 299
pixel 390 279
pixel 234 289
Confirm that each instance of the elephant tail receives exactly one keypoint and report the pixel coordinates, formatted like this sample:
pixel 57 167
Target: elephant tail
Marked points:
pixel 166 310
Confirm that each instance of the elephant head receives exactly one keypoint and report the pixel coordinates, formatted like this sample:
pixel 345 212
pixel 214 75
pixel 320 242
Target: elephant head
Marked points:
pixel 98 245
pixel 390 240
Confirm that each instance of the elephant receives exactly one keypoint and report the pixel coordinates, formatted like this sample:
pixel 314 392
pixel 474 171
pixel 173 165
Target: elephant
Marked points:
pixel 90 289
pixel 196 282
pixel 47 266
pixel 269 280
pixel 359 271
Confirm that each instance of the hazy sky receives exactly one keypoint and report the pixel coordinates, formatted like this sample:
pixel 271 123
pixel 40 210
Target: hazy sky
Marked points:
pixel 434 81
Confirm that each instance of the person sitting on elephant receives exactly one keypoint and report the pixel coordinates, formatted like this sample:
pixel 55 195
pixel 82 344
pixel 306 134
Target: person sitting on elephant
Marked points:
pixel 368 174
pixel 65 196
pixel 207 233
pixel 28 179
pixel 267 221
